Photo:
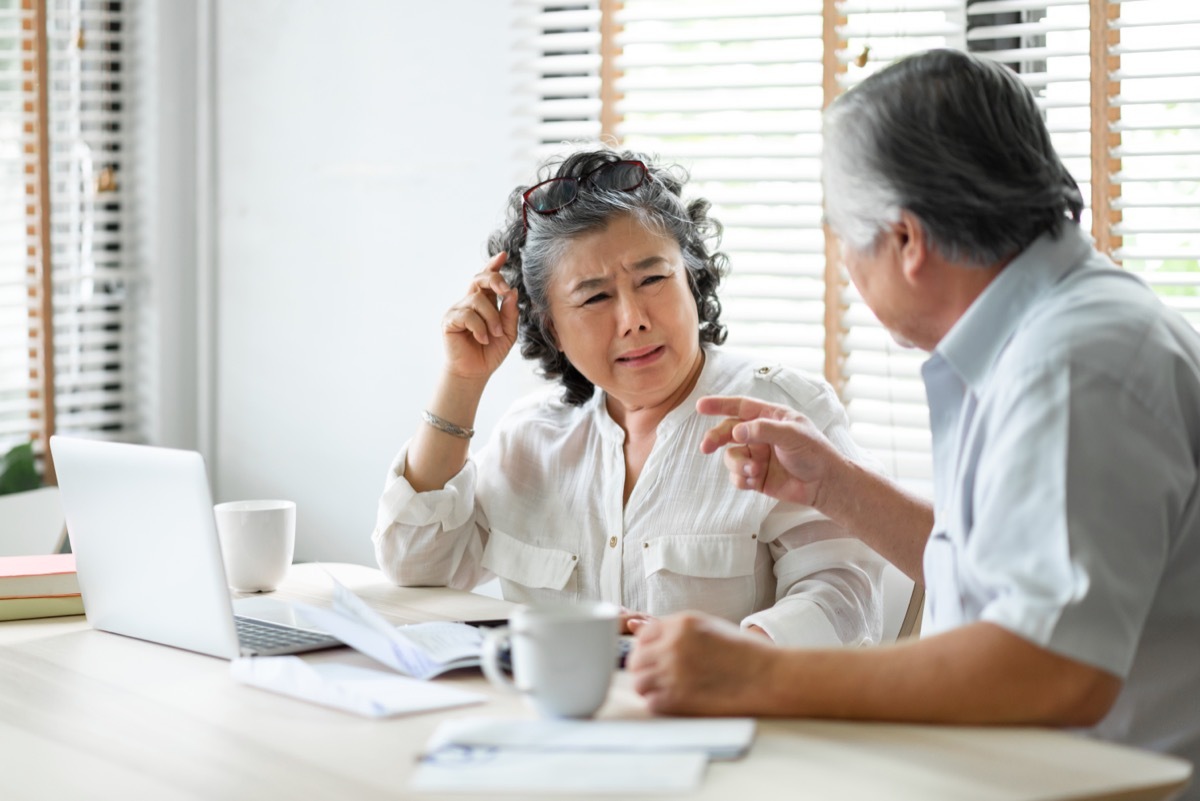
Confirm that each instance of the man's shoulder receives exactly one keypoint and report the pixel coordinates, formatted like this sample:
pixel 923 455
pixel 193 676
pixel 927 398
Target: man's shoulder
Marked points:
pixel 1105 304
pixel 1101 321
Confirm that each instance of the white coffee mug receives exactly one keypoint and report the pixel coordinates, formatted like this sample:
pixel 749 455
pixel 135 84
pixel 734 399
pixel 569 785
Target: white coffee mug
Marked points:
pixel 258 539
pixel 563 656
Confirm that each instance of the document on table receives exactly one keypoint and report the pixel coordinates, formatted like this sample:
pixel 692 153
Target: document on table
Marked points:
pixel 577 756
pixel 528 772
pixel 717 738
pixel 354 689
pixel 421 650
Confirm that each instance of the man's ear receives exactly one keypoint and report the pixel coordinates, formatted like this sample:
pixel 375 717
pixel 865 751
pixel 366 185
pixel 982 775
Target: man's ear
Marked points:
pixel 913 246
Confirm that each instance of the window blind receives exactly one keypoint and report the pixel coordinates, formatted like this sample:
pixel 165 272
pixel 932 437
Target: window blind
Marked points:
pixel 558 73
pixel 21 350
pixel 1153 54
pixel 90 241
pixel 883 392
pixel 1117 82
pixel 732 92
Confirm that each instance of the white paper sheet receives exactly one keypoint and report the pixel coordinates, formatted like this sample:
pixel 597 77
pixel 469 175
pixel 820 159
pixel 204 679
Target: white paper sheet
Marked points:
pixel 421 650
pixel 354 689
pixel 718 738
pixel 485 770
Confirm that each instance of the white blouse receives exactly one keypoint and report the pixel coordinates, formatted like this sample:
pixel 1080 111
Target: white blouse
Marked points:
pixel 541 507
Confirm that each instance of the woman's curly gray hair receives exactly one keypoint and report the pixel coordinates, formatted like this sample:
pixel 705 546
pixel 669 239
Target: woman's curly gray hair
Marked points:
pixel 657 203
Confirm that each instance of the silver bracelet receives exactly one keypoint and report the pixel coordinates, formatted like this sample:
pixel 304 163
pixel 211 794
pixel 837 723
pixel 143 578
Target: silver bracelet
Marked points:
pixel 446 426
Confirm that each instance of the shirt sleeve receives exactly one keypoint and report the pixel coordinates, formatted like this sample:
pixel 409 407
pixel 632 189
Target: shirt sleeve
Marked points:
pixel 827 589
pixel 1071 534
pixel 430 539
pixel 828 583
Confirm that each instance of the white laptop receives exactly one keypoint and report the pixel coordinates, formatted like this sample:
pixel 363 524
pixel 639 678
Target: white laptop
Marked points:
pixel 141 525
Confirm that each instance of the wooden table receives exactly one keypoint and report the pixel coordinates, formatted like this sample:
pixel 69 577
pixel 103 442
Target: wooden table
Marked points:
pixel 90 715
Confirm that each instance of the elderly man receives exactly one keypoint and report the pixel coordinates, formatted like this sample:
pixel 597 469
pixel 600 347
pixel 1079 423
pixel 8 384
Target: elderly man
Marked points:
pixel 1061 556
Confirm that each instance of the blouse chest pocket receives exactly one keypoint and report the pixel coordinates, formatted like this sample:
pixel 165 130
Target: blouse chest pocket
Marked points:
pixel 713 572
pixel 701 555
pixel 531 566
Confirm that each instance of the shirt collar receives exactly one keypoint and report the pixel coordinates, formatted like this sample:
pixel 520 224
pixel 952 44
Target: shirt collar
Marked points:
pixel 972 346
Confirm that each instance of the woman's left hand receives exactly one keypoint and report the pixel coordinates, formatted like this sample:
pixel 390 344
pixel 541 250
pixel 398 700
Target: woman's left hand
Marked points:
pixel 628 616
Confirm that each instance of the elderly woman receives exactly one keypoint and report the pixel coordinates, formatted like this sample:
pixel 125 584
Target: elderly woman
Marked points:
pixel 597 489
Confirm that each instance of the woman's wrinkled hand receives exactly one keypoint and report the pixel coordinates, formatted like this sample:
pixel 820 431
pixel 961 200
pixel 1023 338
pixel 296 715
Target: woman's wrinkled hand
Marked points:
pixel 630 619
pixel 480 330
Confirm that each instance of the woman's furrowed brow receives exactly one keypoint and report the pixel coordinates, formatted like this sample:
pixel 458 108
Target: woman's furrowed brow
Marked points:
pixel 600 281
pixel 648 262
pixel 590 284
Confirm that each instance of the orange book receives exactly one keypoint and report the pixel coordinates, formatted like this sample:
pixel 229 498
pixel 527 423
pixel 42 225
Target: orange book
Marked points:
pixel 38 576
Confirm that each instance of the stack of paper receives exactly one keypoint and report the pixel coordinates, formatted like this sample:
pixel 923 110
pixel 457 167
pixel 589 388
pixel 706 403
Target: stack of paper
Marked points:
pixel 420 650
pixel 354 689
pixel 39 586
pixel 564 756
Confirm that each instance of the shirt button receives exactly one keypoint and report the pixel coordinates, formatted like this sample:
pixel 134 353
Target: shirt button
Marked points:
pixel 764 370
pixel 612 542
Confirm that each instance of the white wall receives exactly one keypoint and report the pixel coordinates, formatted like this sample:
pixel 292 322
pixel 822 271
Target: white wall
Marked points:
pixel 363 151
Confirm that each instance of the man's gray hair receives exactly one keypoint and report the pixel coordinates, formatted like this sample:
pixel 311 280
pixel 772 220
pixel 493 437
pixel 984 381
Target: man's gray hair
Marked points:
pixel 956 140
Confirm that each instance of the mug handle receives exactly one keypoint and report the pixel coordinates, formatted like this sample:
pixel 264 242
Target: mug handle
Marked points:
pixel 493 643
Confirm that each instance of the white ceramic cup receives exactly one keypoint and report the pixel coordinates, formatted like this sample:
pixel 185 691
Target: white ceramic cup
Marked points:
pixel 258 539
pixel 563 656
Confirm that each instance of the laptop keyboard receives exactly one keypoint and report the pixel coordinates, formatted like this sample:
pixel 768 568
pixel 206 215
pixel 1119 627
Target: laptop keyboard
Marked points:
pixel 262 637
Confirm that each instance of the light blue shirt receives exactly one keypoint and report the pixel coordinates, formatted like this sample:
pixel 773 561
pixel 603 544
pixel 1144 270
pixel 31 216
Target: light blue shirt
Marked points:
pixel 1065 409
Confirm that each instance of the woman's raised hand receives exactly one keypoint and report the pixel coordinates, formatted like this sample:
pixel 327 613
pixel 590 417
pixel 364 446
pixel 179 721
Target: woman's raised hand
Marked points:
pixel 477 333
pixel 479 330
